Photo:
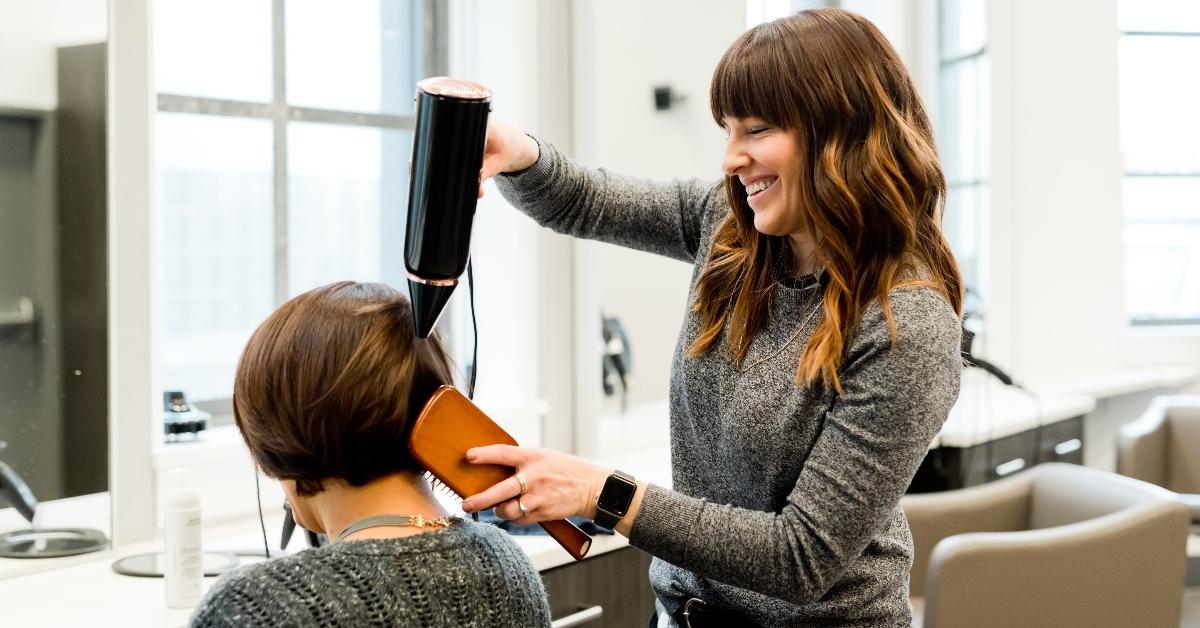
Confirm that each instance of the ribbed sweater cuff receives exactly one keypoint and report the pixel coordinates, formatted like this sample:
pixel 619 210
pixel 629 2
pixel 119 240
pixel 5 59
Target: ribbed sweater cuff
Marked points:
pixel 665 522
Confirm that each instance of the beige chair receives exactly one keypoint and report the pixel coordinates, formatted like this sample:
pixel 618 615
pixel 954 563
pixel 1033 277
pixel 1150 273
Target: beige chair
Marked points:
pixel 1058 545
pixel 1163 447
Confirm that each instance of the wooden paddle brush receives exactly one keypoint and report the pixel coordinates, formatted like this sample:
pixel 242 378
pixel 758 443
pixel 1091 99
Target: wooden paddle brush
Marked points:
pixel 447 427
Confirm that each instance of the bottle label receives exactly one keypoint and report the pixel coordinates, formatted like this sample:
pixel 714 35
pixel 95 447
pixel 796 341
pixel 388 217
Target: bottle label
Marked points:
pixel 190 562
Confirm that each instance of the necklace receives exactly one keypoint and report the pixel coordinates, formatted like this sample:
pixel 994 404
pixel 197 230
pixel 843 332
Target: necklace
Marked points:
pixel 796 335
pixel 399 521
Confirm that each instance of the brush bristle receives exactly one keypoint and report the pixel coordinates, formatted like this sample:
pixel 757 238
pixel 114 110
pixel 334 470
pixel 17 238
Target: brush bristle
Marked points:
pixel 438 485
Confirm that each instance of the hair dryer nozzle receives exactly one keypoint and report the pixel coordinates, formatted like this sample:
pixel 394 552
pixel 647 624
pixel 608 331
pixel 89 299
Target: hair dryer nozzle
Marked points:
pixel 428 300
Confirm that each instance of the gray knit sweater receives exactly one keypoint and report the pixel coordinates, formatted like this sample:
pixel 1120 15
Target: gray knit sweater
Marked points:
pixel 471 574
pixel 785 500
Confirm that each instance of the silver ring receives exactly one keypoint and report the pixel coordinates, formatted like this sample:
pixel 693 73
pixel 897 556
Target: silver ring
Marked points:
pixel 524 510
pixel 521 480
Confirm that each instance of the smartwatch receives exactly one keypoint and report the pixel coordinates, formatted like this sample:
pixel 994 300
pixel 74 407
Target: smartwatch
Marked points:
pixel 614 499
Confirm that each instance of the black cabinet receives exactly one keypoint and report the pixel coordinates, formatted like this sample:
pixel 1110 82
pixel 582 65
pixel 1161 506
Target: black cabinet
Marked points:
pixel 946 468
pixel 609 590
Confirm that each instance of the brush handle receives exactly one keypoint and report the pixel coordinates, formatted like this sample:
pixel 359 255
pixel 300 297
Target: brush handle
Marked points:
pixel 569 536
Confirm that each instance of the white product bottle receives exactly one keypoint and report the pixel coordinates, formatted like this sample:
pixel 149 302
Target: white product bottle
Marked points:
pixel 183 568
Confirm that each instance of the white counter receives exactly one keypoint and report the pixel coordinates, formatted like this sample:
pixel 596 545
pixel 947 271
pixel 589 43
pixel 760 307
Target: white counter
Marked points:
pixel 86 511
pixel 987 410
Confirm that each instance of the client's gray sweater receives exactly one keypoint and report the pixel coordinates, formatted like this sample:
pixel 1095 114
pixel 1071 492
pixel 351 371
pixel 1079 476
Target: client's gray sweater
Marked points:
pixel 470 574
pixel 785 497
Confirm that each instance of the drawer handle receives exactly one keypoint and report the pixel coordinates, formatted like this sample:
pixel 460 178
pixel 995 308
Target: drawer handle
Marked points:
pixel 1010 467
pixel 1068 446
pixel 579 618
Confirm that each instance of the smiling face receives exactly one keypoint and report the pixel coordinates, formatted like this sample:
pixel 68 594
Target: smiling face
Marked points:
pixel 765 158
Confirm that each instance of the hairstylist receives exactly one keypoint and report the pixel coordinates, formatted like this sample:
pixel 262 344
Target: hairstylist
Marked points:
pixel 820 354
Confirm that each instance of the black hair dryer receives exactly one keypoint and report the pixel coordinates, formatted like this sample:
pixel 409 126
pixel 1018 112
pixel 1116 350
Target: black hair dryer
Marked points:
pixel 448 145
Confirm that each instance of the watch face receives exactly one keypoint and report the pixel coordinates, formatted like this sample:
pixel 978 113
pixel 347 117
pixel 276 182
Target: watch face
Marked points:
pixel 616 495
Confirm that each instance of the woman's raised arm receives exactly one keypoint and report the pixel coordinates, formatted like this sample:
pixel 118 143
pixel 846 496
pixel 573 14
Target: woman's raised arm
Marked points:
pixel 666 218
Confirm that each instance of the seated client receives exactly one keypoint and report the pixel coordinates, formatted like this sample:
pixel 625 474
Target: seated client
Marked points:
pixel 325 394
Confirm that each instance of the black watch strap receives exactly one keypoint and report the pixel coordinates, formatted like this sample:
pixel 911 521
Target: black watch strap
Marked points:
pixel 615 498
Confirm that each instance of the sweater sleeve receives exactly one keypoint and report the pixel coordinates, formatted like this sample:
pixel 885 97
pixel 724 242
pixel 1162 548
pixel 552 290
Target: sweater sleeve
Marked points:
pixel 665 218
pixel 875 435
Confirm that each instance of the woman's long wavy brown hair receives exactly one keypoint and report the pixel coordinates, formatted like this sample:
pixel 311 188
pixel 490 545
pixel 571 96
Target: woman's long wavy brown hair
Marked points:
pixel 871 187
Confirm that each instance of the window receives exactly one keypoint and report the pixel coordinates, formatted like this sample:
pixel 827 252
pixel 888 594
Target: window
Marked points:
pixel 282 152
pixel 963 131
pixel 1160 145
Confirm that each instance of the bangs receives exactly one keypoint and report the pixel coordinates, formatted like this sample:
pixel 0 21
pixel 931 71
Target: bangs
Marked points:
pixel 749 81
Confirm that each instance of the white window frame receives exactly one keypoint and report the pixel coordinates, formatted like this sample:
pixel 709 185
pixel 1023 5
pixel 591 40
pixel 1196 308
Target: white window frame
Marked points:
pixel 135 380
pixel 980 186
pixel 1127 174
pixel 280 113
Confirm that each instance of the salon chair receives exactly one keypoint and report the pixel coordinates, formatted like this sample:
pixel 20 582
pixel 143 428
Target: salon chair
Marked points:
pixel 1057 545
pixel 1163 447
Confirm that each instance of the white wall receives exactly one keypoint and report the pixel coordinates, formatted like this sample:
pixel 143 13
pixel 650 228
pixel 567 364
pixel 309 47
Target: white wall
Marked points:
pixel 580 74
pixel 623 49
pixel 894 18
pixel 1063 171
pixel 29 34
pixel 1056 225
pixel 524 296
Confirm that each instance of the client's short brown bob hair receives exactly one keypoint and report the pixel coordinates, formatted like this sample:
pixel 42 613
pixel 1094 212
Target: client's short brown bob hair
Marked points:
pixel 331 382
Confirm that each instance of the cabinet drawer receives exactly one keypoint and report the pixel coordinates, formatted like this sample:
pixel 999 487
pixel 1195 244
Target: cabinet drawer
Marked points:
pixel 612 589
pixel 1011 454
pixel 1061 442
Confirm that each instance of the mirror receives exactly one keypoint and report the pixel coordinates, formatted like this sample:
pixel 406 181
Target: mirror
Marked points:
pixel 53 277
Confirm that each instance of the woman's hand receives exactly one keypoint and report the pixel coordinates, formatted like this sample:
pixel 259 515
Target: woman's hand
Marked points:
pixel 508 149
pixel 558 485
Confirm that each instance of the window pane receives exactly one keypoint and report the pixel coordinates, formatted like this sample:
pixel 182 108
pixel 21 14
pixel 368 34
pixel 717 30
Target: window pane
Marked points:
pixel 1160 127
pixel 347 196
pixel 1162 247
pixel 1162 270
pixel 215 49
pixel 217 245
pixel 963 25
pixel 963 226
pixel 964 137
pixel 355 56
pixel 1160 15
pixel 1162 199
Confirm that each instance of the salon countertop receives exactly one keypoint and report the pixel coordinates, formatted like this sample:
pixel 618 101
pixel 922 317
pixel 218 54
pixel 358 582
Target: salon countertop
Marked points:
pixel 987 410
pixel 85 591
